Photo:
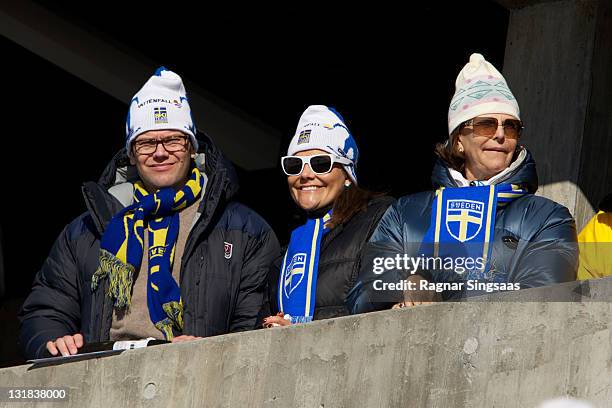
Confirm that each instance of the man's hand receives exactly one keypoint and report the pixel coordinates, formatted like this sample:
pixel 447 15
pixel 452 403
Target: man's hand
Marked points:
pixel 184 337
pixel 66 345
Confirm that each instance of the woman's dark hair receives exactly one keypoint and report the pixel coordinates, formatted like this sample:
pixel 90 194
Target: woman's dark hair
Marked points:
pixel 450 152
pixel 350 202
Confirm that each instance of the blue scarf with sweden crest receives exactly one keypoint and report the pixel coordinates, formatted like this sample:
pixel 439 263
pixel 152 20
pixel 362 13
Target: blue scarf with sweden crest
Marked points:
pixel 462 224
pixel 297 284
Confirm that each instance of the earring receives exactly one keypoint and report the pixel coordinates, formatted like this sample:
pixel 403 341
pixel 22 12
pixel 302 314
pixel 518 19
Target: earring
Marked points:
pixel 347 184
pixel 460 149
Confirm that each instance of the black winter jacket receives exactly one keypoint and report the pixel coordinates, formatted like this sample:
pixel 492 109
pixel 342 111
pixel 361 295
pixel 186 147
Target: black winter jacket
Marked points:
pixel 534 241
pixel 220 293
pixel 339 262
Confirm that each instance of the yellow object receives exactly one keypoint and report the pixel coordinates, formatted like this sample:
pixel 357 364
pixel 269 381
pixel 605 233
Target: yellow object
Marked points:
pixel 595 241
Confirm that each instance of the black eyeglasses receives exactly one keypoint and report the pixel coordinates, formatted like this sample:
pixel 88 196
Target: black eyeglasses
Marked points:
pixel 319 163
pixel 172 144
pixel 485 126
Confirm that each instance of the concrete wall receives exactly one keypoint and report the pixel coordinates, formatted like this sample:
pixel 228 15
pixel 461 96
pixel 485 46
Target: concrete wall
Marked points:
pixel 557 60
pixel 477 354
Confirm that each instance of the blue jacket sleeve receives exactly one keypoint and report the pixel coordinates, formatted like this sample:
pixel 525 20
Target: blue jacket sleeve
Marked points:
pixel 370 292
pixel 551 256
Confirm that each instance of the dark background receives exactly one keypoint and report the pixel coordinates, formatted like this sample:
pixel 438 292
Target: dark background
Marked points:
pixel 389 72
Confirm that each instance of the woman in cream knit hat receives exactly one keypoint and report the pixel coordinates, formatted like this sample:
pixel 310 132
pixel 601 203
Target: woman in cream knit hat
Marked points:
pixel 481 229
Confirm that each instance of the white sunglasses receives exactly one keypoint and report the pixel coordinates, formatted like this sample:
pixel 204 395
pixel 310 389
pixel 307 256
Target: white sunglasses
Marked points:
pixel 319 163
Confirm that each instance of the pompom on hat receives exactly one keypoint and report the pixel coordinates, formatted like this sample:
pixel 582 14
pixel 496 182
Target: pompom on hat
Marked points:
pixel 480 89
pixel 161 104
pixel 324 129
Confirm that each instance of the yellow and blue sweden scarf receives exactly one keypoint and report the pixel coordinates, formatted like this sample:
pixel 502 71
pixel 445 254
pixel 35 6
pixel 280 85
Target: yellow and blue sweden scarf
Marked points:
pixel 297 284
pixel 121 251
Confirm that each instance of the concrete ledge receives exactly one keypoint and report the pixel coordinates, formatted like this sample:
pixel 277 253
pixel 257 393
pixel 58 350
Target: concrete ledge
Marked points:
pixel 473 354
pixel 596 290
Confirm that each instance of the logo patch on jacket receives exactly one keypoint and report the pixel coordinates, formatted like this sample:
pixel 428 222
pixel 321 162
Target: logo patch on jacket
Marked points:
pixel 227 248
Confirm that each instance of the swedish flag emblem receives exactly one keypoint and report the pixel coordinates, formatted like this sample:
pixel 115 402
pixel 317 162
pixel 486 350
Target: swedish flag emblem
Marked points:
pixel 304 136
pixel 160 114
pixel 464 218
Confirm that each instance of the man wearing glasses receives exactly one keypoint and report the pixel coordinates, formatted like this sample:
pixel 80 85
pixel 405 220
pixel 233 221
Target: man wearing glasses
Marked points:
pixel 162 251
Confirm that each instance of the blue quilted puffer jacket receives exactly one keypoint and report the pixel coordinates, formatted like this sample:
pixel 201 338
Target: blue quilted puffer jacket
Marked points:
pixel 534 241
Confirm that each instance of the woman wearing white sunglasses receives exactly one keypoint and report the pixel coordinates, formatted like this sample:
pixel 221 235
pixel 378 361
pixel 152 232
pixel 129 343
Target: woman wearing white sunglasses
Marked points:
pixel 322 260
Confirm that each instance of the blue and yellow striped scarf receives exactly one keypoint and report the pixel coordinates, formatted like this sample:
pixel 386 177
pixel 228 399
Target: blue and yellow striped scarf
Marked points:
pixel 121 251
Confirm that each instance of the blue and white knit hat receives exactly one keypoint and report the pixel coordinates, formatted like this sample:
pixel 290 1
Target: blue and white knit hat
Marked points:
pixel 161 104
pixel 480 89
pixel 323 128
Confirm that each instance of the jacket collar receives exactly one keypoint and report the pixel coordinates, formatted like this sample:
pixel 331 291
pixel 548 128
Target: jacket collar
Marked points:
pixel 521 171
pixel 113 190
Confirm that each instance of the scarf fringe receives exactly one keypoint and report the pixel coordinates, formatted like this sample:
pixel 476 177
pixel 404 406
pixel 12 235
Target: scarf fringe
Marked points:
pixel 174 310
pixel 165 326
pixel 121 278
